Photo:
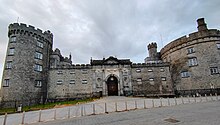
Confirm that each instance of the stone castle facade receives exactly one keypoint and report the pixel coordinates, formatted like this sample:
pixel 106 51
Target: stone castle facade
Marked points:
pixel 33 70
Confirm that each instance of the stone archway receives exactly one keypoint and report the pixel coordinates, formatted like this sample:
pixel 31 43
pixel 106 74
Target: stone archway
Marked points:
pixel 112 86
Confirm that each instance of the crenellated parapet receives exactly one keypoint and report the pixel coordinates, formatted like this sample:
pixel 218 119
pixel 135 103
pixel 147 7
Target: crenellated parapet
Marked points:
pixel 152 45
pixel 21 28
pixel 158 64
pixel 203 35
pixel 193 38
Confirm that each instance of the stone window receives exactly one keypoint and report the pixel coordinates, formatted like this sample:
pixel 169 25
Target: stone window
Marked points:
pixel 38 83
pixel 84 71
pixel 150 70
pixel 59 82
pixel 185 74
pixel 13 39
pixel 163 79
pixel 214 70
pixel 151 79
pixel 139 81
pixel 11 51
pixel 8 64
pixel 162 69
pixel 72 72
pixel 72 81
pixel 84 81
pixel 6 83
pixel 38 55
pixel 38 68
pixel 218 45
pixel 190 50
pixel 59 72
pixel 40 44
pixel 138 70
pixel 192 61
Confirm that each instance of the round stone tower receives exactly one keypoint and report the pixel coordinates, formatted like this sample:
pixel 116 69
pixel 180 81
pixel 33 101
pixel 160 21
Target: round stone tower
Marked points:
pixel 26 64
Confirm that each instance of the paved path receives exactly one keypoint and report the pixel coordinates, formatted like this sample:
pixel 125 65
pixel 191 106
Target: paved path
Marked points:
pixel 102 106
pixel 207 113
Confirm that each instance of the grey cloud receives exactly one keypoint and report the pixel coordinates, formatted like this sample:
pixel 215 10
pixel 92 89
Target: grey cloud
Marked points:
pixel 100 28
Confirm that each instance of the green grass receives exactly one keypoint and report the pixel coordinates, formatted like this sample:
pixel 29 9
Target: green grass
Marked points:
pixel 45 106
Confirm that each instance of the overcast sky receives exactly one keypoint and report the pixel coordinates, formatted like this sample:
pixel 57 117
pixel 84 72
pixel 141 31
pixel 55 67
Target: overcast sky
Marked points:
pixel 101 28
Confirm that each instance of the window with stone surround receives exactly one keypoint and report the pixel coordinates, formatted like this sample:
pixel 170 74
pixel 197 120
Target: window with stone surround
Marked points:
pixel 218 45
pixel 38 67
pixel 163 79
pixel 8 65
pixel 59 82
pixel 84 81
pixel 38 55
pixel 190 50
pixel 185 74
pixel 214 70
pixel 139 81
pixel 59 72
pixel 138 70
pixel 13 39
pixel 161 69
pixel 40 44
pixel 192 61
pixel 150 70
pixel 6 83
pixel 38 83
pixel 11 51
pixel 151 79
pixel 84 71
pixel 72 81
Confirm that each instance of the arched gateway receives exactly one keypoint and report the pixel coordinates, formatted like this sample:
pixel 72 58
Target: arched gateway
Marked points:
pixel 112 85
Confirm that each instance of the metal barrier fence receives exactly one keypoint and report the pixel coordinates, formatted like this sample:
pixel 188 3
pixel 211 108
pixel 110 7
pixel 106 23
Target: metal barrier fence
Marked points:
pixel 98 108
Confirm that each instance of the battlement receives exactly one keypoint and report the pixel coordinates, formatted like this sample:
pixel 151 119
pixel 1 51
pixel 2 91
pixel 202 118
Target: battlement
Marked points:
pixel 153 64
pixel 152 45
pixel 193 38
pixel 21 28
pixel 74 66
pixel 188 39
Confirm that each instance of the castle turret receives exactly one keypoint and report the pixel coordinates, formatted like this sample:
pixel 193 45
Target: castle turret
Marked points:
pixel 26 64
pixel 154 56
pixel 201 24
pixel 152 49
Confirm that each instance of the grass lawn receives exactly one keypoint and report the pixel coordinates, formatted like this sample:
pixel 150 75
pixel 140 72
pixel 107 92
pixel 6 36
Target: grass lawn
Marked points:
pixel 46 106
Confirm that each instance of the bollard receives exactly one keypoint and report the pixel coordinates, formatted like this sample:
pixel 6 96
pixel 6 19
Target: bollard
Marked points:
pixel 84 108
pixel 216 96
pixel 22 120
pixel 81 110
pixel 153 103
pixel 55 114
pixel 206 98
pixel 188 98
pixel 68 113
pixel 145 104
pixel 211 97
pixel 175 100
pixel 182 100
pixel 135 104
pixel 194 98
pixel 200 98
pixel 116 107
pixel 168 100
pixel 161 104
pixel 126 106
pixel 5 119
pixel 93 107
pixel 106 110
pixel 39 120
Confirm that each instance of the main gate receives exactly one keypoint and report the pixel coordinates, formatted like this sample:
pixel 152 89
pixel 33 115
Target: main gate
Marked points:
pixel 112 84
